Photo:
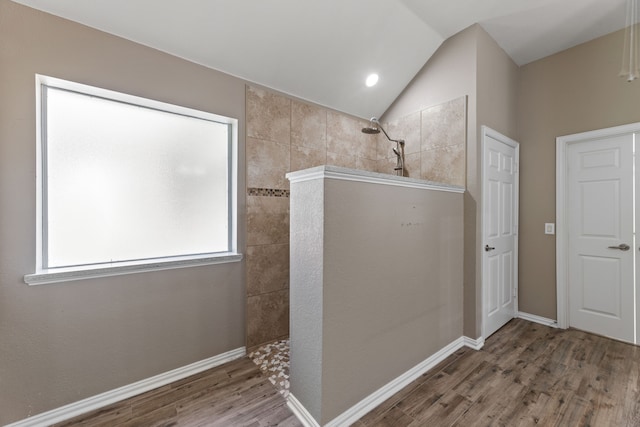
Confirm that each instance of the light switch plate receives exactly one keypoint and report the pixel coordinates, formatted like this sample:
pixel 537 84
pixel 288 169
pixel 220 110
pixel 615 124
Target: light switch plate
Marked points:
pixel 549 228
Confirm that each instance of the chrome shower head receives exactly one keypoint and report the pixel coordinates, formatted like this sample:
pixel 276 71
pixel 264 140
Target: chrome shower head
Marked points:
pixel 373 129
pixel 370 130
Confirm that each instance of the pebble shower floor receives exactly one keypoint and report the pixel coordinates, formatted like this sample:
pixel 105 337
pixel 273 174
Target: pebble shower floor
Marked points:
pixel 273 360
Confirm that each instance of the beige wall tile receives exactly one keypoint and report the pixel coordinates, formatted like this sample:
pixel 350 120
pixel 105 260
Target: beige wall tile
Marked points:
pixel 386 166
pixel 341 134
pixel 367 143
pixel 267 317
pixel 305 157
pixel 385 147
pixel 412 165
pixel 267 164
pixel 444 124
pixel 407 128
pixel 268 116
pixel 345 137
pixel 308 126
pixel 267 220
pixel 342 160
pixel 444 164
pixel 267 268
pixel 366 164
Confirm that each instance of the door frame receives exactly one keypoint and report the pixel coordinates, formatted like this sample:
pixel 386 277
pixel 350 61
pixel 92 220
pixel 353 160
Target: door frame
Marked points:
pixel 562 233
pixel 488 132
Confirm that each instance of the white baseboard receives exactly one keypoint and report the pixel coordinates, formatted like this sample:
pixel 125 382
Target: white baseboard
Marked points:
pixel 476 344
pixel 376 398
pixel 538 319
pixel 301 412
pixel 103 399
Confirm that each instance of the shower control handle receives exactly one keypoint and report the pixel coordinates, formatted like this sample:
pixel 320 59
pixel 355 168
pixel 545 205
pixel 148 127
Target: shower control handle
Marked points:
pixel 621 246
pixel 488 248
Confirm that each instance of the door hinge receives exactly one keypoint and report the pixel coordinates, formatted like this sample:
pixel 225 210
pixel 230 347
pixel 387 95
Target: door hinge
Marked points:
pixel 515 292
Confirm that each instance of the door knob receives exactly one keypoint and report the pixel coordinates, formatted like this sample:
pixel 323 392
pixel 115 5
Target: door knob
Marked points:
pixel 488 248
pixel 621 246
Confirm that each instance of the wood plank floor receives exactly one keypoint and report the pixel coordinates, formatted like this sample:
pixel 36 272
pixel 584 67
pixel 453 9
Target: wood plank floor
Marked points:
pixel 526 375
pixel 234 394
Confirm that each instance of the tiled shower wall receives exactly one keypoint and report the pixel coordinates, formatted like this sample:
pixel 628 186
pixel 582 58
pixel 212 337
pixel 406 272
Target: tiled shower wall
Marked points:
pixel 284 135
pixel 435 142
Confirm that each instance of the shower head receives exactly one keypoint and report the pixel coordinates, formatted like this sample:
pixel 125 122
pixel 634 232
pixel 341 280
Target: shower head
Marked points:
pixel 373 128
pixel 376 127
pixel 370 130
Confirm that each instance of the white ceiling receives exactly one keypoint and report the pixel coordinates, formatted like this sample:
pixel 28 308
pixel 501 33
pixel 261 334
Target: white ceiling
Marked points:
pixel 323 50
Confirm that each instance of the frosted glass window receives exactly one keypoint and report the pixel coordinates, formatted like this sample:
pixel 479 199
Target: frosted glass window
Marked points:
pixel 125 182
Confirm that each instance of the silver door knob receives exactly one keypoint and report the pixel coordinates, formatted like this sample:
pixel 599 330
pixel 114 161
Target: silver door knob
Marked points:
pixel 488 248
pixel 621 246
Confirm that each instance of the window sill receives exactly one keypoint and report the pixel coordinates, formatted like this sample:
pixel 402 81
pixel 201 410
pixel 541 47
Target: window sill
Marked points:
pixel 57 275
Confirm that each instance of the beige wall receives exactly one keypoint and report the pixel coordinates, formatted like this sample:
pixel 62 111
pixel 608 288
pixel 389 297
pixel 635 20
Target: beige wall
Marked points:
pixel 64 342
pixel 497 87
pixel 469 63
pixel 451 73
pixel 497 96
pixel 376 283
pixel 573 91
pixel 393 276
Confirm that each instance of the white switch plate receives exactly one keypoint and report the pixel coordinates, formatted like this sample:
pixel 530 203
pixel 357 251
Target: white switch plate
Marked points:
pixel 549 228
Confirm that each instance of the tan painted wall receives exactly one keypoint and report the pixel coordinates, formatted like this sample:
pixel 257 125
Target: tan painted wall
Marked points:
pixel 392 285
pixel 451 73
pixel 64 342
pixel 497 87
pixel 573 91
pixel 380 267
pixel 469 63
pixel 497 97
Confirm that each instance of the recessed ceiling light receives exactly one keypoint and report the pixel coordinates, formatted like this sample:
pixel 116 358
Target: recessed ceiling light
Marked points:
pixel 372 79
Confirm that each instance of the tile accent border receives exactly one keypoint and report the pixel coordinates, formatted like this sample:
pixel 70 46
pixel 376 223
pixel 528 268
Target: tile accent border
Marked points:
pixel 103 399
pixel 367 404
pixel 267 192
pixel 537 319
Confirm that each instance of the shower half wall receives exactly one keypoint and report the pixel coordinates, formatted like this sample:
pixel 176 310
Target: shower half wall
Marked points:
pixel 376 285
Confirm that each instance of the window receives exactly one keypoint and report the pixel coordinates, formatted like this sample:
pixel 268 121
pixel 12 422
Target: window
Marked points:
pixel 129 184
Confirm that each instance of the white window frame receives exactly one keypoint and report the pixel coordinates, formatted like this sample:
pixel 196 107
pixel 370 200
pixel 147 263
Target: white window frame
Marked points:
pixel 44 275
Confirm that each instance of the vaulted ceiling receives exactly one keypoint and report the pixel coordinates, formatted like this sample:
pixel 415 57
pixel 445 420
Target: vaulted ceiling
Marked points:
pixel 322 51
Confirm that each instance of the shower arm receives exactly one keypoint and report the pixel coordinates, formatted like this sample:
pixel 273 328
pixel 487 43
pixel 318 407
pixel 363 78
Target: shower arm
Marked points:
pixel 397 141
pixel 398 150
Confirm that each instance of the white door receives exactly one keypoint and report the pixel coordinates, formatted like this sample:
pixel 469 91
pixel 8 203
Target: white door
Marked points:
pixel 601 241
pixel 500 230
